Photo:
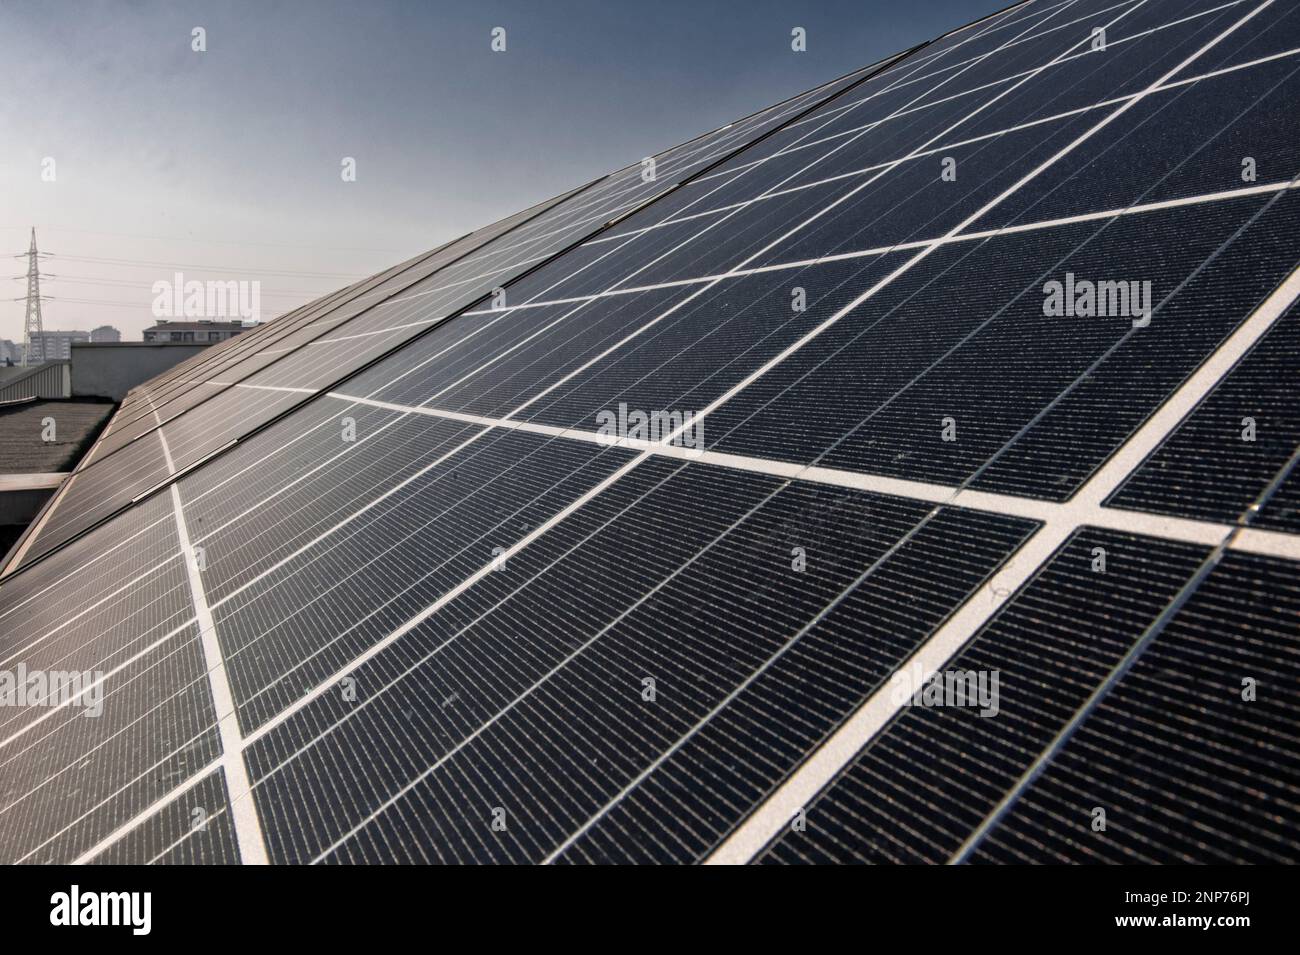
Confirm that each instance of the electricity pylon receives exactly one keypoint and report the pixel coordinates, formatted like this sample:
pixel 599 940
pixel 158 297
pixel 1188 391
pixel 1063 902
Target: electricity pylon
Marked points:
pixel 32 323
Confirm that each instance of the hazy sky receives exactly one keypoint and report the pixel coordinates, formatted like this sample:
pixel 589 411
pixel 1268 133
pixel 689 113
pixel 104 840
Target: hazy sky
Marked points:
pixel 226 164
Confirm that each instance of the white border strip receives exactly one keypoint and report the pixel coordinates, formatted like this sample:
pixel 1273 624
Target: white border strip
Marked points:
pixel 1075 512
pixel 248 829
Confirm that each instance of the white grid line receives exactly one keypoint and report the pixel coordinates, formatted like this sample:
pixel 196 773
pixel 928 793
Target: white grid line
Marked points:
pixel 1273 543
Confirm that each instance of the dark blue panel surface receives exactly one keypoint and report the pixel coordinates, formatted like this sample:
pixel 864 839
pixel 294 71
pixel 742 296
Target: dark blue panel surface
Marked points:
pixel 920 789
pixel 1188 766
pixel 1225 460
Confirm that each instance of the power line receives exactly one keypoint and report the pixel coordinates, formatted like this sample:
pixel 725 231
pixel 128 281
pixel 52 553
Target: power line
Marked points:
pixel 104 302
pixel 128 284
pixel 228 269
pixel 239 242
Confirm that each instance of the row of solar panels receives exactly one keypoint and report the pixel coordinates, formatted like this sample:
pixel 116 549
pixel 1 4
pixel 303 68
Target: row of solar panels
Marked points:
pixel 221 398
pixel 434 596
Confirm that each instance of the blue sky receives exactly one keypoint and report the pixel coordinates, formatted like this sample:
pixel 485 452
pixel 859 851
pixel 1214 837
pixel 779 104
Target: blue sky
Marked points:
pixel 225 164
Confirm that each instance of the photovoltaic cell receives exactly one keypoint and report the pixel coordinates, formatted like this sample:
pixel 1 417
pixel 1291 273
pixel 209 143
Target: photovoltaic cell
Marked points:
pixel 1225 458
pixel 194 829
pixel 1188 765
pixel 923 786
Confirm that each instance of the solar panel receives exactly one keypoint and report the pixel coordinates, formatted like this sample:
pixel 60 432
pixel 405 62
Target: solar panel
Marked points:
pixel 922 788
pixel 870 484
pixel 1237 447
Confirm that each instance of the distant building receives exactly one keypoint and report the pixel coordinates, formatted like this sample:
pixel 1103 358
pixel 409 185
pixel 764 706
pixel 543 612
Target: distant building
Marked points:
pixel 201 330
pixel 105 333
pixel 10 354
pixel 55 345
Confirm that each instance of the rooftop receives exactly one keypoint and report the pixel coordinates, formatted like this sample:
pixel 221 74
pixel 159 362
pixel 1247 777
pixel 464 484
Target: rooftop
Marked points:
pixel 76 424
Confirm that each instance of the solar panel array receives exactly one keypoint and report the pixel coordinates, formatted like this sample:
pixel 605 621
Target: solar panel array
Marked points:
pixel 609 532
